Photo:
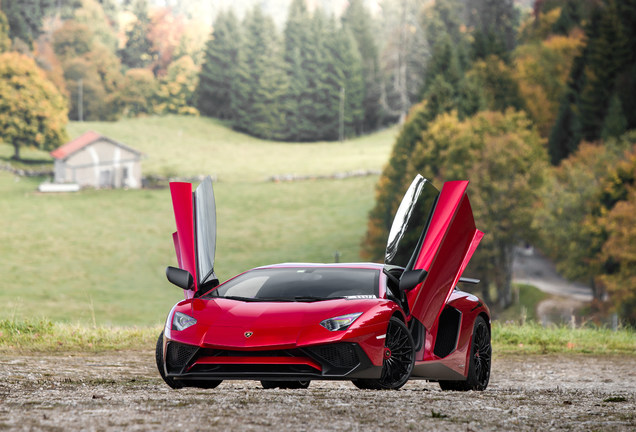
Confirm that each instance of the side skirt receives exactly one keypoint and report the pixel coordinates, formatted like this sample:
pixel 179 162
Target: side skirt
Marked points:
pixel 434 371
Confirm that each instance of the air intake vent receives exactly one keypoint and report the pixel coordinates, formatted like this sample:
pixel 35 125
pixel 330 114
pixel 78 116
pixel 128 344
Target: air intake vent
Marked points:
pixel 341 355
pixel 178 355
pixel 447 331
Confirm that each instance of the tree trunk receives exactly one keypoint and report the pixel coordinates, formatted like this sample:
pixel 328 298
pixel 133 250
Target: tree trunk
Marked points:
pixel 503 274
pixel 16 152
pixel 484 284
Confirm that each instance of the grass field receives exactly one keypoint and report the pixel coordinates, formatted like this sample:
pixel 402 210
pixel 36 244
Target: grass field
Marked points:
pixel 199 145
pixel 98 256
pixel 531 338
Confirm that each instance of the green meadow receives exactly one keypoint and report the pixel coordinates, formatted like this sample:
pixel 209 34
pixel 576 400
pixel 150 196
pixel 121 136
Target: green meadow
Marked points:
pixel 98 256
pixel 176 145
pixel 45 336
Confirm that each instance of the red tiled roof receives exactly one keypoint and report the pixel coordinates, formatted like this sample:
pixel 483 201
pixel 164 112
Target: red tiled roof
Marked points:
pixel 75 145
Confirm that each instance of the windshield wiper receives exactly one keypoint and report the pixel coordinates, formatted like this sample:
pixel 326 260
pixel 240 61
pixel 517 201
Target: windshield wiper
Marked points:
pixel 314 298
pixel 279 299
pixel 256 299
pixel 246 299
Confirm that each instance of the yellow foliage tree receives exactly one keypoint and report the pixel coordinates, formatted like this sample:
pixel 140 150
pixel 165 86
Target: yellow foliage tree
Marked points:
pixel 32 110
pixel 503 157
pixel 620 251
pixel 541 69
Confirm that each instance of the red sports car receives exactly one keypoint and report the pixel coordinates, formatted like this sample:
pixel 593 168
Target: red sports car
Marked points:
pixel 377 325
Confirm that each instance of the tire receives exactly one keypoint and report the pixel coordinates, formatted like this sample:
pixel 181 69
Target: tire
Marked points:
pixel 479 363
pixel 206 384
pixel 364 384
pixel 285 384
pixel 203 384
pixel 159 357
pixel 398 366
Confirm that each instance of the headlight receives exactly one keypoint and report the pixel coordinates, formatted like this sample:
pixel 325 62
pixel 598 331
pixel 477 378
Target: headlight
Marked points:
pixel 181 321
pixel 340 323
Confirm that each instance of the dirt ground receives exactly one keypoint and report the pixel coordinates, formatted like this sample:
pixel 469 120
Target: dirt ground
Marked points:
pixel 123 391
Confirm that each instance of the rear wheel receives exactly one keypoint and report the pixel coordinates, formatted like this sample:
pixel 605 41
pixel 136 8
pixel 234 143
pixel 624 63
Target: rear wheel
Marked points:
pixel 285 384
pixel 399 357
pixel 480 359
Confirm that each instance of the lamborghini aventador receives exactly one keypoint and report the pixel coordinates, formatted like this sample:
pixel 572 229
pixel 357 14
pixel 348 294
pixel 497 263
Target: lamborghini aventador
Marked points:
pixel 375 324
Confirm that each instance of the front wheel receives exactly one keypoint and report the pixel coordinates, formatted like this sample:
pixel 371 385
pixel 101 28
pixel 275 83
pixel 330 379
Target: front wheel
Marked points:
pixel 480 359
pixel 399 357
pixel 206 384
pixel 159 358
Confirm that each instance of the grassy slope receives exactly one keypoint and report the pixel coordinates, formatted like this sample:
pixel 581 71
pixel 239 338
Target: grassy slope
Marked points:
pixel 192 146
pixel 87 257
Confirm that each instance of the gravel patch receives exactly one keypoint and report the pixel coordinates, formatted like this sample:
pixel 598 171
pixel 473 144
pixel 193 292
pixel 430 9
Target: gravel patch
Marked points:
pixel 123 391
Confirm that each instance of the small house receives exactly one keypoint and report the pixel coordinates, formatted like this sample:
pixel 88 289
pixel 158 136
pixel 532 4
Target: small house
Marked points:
pixel 97 161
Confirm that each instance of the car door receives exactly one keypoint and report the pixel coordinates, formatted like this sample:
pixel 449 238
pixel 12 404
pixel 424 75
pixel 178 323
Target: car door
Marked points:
pixel 195 238
pixel 437 232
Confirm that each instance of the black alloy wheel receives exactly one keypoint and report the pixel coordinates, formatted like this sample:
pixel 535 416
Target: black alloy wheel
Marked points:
pixel 480 360
pixel 399 357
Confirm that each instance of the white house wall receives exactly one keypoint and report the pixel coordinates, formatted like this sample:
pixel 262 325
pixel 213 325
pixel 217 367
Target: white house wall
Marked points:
pixel 101 164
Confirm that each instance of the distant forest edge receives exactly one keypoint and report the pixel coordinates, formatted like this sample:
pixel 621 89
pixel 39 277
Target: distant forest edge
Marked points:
pixel 322 78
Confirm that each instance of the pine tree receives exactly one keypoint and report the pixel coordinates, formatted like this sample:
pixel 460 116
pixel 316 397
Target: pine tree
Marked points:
pixel 318 97
pixel 138 51
pixel 627 79
pixel 297 38
pixel 391 185
pixel 607 56
pixel 570 17
pixel 359 22
pixel 444 62
pixel 354 93
pixel 260 83
pixel 342 83
pixel 605 63
pixel 615 123
pixel 214 92
pixel 25 17
pixel 494 23
pixel 443 19
pixel 566 132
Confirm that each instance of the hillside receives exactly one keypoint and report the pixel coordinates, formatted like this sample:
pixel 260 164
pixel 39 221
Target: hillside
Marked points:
pixel 99 256
pixel 176 145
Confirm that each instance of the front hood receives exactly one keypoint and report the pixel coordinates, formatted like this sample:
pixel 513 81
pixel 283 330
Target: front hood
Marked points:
pixel 231 323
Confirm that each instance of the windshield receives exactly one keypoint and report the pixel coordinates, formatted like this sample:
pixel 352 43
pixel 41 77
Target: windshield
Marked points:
pixel 300 284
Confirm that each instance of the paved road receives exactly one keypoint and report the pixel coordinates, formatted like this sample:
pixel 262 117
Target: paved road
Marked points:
pixel 531 268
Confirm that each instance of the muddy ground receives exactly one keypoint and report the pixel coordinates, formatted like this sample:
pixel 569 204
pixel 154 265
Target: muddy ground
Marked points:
pixel 123 391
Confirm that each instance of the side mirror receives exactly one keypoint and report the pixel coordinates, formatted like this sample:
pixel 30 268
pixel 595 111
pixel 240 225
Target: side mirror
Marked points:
pixel 412 278
pixel 179 277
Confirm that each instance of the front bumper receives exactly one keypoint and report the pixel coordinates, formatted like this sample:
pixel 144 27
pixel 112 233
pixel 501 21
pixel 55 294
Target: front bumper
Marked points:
pixel 340 360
